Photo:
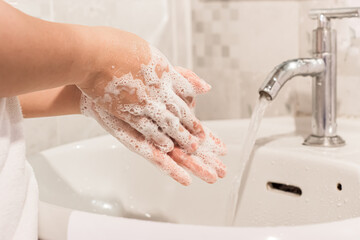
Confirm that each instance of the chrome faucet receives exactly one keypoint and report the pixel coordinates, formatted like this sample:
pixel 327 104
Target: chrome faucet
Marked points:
pixel 322 67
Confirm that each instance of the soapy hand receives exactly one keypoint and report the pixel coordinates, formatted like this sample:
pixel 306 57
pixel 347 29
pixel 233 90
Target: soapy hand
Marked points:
pixel 134 140
pixel 139 98
pixel 137 88
pixel 204 163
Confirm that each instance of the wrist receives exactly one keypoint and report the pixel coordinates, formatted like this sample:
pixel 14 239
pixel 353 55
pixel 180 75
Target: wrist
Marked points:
pixel 94 52
pixel 107 52
pixel 87 51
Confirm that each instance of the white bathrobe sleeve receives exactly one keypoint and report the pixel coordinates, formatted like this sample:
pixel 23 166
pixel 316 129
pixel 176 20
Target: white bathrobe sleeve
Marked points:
pixel 18 187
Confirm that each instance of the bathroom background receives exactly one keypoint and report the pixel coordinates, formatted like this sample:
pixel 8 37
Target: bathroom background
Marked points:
pixel 232 44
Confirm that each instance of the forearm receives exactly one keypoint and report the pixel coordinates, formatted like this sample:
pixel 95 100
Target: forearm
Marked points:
pixel 51 102
pixel 37 55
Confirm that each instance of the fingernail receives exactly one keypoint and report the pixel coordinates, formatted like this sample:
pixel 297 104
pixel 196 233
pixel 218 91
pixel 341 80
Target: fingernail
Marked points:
pixel 185 182
pixel 221 172
pixel 198 128
pixel 207 86
pixel 220 168
pixel 200 132
pixel 203 87
pixel 194 146
pixel 224 149
pixel 211 176
pixel 202 135
pixel 165 147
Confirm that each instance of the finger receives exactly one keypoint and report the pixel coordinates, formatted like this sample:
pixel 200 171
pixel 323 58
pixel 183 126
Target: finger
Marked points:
pixel 136 142
pixel 186 116
pixel 183 88
pixel 170 167
pixel 150 131
pixel 198 84
pixel 194 164
pixel 186 77
pixel 171 125
pixel 212 160
pixel 217 146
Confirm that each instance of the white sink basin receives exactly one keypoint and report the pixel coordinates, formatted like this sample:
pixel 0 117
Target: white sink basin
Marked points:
pixel 301 192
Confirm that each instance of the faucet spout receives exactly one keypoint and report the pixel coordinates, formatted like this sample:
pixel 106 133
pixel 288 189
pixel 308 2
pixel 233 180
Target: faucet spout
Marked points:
pixel 286 71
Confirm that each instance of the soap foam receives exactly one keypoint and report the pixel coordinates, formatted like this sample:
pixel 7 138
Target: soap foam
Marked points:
pixel 157 105
pixel 209 150
pixel 133 140
pixel 155 99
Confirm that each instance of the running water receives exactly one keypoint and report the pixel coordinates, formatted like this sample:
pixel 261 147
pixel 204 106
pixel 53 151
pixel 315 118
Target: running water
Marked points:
pixel 246 151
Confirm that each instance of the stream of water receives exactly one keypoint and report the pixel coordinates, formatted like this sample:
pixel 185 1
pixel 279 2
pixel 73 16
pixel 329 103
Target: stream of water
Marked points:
pixel 246 151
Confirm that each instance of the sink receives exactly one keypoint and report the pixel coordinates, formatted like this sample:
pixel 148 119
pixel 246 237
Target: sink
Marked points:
pixel 290 184
pixel 292 191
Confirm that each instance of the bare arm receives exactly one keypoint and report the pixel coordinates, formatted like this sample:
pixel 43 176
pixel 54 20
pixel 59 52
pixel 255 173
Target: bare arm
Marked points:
pixel 52 102
pixel 37 55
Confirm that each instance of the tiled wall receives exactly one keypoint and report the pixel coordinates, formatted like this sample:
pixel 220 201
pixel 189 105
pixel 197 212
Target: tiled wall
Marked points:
pixel 237 43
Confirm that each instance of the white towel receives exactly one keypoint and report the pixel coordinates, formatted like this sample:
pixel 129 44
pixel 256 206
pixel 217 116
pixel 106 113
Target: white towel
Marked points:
pixel 18 187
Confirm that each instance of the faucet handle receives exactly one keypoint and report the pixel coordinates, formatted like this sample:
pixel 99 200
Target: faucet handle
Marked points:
pixel 335 13
pixel 325 15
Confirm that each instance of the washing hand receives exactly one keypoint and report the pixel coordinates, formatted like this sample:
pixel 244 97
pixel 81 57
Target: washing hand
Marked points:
pixel 144 102
pixel 137 88
pixel 203 163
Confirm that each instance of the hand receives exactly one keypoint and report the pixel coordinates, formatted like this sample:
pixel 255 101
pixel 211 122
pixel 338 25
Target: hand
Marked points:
pixel 135 83
pixel 204 163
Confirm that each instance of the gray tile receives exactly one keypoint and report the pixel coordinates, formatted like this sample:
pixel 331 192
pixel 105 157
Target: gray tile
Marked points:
pixel 199 61
pixel 216 15
pixel 208 50
pixel 225 51
pixel 216 38
pixel 199 27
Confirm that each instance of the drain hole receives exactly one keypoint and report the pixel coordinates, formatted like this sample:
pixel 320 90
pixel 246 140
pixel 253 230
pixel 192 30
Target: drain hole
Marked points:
pixel 285 188
pixel 339 186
